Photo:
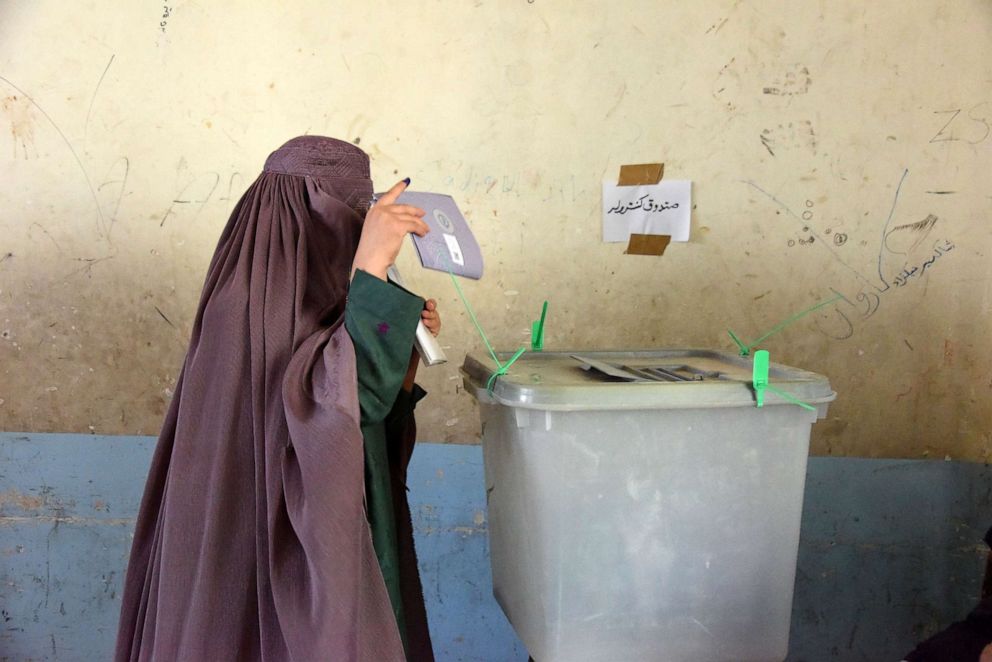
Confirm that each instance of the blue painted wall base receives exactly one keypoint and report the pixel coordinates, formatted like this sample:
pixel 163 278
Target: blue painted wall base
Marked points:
pixel 891 550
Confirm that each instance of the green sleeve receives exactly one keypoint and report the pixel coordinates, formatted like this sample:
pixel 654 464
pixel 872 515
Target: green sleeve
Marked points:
pixel 381 319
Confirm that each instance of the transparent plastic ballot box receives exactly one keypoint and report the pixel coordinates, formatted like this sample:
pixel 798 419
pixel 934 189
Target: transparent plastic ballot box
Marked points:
pixel 641 506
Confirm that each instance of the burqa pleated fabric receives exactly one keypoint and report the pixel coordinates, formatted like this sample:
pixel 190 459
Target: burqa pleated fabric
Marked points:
pixel 252 541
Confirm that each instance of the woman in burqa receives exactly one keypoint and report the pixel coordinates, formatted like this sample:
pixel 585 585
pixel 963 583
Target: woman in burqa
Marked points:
pixel 274 524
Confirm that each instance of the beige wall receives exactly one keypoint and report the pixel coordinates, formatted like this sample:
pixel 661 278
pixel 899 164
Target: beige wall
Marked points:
pixel 125 145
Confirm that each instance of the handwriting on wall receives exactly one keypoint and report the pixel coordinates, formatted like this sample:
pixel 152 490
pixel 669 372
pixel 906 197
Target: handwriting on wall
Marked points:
pixel 898 263
pixel 466 178
pixel 197 192
pixel 972 128
pixel 164 22
pixel 869 298
pixel 940 249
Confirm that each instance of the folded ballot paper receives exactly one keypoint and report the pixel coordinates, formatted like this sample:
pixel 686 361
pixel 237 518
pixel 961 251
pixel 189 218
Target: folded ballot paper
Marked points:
pixel 450 245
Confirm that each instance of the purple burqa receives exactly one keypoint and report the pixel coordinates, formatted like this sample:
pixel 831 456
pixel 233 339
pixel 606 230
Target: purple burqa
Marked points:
pixel 252 541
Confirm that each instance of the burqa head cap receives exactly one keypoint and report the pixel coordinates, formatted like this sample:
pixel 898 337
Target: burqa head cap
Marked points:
pixel 337 166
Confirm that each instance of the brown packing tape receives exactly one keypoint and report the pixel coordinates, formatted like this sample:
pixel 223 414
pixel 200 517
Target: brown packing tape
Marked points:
pixel 647 244
pixel 641 174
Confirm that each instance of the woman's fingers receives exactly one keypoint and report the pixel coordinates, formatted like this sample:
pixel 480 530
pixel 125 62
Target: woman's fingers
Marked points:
pixel 431 318
pixel 434 328
pixel 389 197
pixel 404 223
pixel 407 210
pixel 385 226
pixel 406 218
pixel 416 226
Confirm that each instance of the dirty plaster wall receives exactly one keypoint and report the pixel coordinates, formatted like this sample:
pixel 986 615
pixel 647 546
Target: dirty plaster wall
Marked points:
pixel 836 148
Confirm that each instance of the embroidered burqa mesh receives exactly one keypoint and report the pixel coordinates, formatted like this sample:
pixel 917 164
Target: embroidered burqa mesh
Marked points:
pixel 252 542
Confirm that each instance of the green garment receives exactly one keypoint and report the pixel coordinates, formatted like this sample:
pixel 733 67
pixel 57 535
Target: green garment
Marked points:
pixel 381 319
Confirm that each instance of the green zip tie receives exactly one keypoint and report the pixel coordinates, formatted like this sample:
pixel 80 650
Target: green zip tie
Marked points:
pixel 791 398
pixel 537 331
pixel 746 349
pixel 501 368
pixel 471 314
pixel 759 376
pixel 759 379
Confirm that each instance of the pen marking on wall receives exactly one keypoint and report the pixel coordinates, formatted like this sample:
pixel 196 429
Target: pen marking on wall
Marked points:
pixel 183 197
pixel 869 300
pixel 940 248
pixel 937 136
pixel 812 232
pixel 716 26
pixel 230 185
pixel 162 315
pixel 885 228
pixel 764 141
pixel 47 234
pixel 791 135
pixel 95 91
pixel 88 264
pixel 916 232
pixel 972 133
pixel 621 93
pixel 900 240
pixel 229 137
pixel 121 180
pixel 164 21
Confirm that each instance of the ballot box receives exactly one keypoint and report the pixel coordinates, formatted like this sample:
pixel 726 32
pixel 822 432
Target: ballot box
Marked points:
pixel 641 505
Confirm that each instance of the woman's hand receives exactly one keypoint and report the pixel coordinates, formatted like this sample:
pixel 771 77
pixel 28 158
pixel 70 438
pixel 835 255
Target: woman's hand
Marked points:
pixel 386 225
pixel 431 318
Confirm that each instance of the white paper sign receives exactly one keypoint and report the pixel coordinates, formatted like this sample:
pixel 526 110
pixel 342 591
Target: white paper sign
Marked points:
pixel 662 208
